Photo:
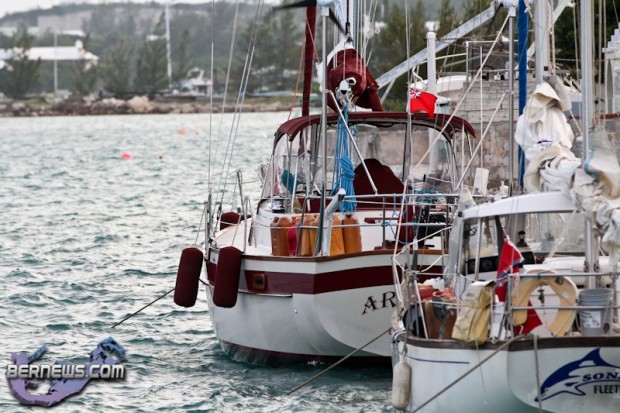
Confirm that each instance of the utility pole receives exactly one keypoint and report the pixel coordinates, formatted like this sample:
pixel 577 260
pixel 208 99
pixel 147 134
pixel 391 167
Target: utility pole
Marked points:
pixel 168 45
pixel 55 63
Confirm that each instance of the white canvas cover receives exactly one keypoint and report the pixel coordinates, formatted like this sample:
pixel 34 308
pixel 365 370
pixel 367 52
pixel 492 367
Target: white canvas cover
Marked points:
pixel 546 138
pixel 543 122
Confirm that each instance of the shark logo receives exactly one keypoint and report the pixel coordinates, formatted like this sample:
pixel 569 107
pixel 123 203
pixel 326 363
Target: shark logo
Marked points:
pixel 591 369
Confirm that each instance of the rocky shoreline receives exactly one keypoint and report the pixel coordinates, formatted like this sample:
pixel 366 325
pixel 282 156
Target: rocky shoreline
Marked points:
pixel 89 106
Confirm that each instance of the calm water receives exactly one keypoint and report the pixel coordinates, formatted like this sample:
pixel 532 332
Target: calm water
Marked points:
pixel 86 238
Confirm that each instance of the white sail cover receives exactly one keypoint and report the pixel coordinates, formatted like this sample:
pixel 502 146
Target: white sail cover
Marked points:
pixel 546 138
pixel 543 122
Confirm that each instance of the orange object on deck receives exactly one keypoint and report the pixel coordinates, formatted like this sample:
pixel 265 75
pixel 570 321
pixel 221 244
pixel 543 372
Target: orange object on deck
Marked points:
pixel 336 245
pixel 284 225
pixel 307 247
pixel 279 244
pixel 291 237
pixel 352 234
pixel 316 221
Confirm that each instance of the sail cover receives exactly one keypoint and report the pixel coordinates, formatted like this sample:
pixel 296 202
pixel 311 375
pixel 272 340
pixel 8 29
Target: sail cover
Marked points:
pixel 594 187
pixel 348 65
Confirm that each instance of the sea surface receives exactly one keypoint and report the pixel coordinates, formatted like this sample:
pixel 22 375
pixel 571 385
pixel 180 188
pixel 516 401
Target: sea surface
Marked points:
pixel 95 212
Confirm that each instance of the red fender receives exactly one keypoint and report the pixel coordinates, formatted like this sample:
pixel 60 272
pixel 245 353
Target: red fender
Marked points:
pixel 228 219
pixel 190 267
pixel 227 276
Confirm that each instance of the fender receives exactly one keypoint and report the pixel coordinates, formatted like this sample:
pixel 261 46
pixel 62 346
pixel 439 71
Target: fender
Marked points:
pixel 227 275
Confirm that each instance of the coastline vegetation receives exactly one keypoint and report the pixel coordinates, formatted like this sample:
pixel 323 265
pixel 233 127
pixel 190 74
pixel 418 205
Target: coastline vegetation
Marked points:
pixel 130 40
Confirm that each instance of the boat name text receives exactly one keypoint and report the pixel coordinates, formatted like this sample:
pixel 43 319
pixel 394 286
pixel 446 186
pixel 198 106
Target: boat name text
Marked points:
pixel 571 378
pixel 388 299
pixel 609 389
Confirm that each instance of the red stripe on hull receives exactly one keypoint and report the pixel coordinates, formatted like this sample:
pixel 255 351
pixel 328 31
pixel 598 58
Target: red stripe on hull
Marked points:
pixel 294 283
pixel 276 282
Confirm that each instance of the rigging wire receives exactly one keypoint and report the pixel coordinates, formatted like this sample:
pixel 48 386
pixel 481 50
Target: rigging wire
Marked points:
pixel 552 65
pixel 298 80
pixel 371 23
pixel 227 81
pixel 576 37
pixel 462 99
pixel 602 20
pixel 210 140
pixel 407 45
pixel 597 52
pixel 242 91
pixel 228 156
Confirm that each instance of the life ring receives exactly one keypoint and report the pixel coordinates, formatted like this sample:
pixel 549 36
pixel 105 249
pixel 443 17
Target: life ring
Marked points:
pixel 564 287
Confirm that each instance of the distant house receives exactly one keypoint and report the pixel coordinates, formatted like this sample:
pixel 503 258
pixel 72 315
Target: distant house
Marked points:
pixel 194 84
pixel 51 54
pixel 612 72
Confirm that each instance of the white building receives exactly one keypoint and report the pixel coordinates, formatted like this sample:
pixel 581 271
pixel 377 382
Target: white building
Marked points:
pixel 612 73
pixel 52 54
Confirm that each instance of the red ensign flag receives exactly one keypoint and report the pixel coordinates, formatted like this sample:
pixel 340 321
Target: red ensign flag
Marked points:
pixel 422 101
pixel 510 260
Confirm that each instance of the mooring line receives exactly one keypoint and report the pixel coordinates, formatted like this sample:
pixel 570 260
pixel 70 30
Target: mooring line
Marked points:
pixel 316 376
pixel 152 302
pixel 449 386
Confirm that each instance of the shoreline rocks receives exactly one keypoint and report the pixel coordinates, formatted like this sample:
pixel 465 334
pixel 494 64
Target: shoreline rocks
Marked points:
pixel 89 106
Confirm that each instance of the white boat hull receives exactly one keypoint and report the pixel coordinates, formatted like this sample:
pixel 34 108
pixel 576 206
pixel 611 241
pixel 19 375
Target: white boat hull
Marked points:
pixel 579 374
pixel 313 309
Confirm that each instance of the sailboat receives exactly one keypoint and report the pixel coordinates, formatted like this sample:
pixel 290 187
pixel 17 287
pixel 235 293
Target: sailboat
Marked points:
pixel 306 277
pixel 529 325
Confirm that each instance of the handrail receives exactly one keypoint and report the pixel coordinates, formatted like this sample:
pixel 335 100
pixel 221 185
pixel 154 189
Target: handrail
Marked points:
pixel 565 307
pixel 559 274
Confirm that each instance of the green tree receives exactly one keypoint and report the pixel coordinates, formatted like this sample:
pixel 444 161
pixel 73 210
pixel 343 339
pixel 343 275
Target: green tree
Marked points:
pixel 263 70
pixel 288 35
pixel 102 21
pixel 152 65
pixel 85 73
pixel 276 57
pixel 127 25
pixel 116 68
pixel 448 18
pixel 389 48
pixel 489 30
pixel 20 74
pixel 183 59
pixel 568 26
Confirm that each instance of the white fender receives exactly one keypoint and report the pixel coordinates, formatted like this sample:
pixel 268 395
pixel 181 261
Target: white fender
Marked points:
pixel 401 385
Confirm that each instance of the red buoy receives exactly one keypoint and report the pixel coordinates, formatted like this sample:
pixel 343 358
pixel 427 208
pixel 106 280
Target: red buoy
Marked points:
pixel 190 266
pixel 227 276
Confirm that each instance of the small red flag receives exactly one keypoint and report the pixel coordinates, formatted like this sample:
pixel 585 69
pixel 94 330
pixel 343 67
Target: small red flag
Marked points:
pixel 510 260
pixel 422 101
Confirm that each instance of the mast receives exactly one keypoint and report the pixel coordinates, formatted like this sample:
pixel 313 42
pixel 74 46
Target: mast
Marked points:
pixel 431 76
pixel 168 45
pixel 308 48
pixel 541 39
pixel 320 232
pixel 511 94
pixel 522 28
pixel 587 112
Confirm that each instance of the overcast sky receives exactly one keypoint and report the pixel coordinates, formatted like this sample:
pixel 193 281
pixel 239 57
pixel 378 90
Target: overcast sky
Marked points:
pixel 10 6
